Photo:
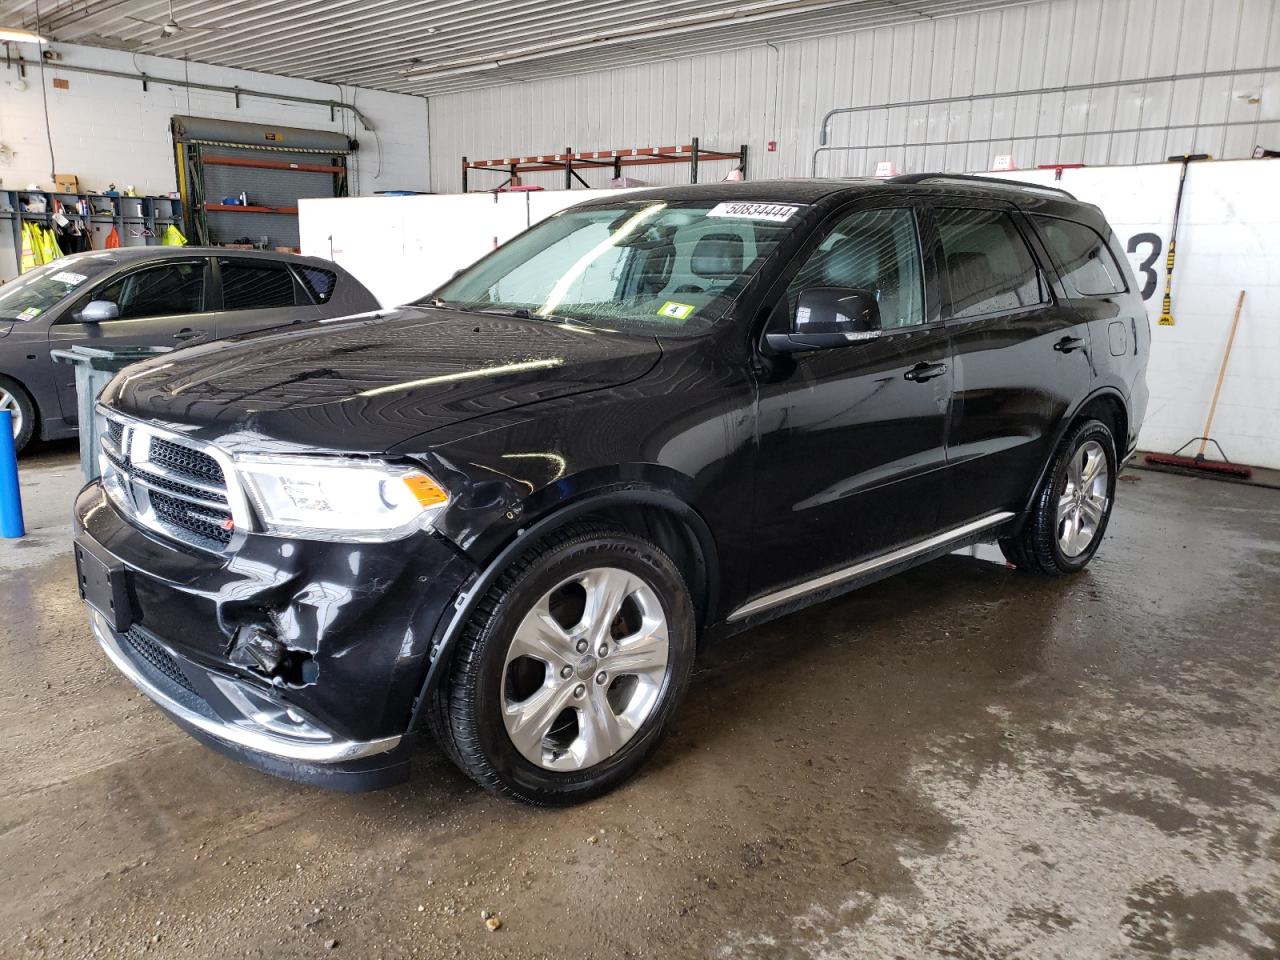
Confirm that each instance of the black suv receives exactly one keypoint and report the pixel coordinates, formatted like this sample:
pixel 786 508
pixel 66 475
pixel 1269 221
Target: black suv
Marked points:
pixel 510 513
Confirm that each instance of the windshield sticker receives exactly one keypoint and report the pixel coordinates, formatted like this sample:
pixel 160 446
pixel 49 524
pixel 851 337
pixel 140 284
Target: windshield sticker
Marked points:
pixel 776 212
pixel 29 314
pixel 676 311
pixel 66 276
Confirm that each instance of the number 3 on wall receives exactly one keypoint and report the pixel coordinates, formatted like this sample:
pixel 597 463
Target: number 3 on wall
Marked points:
pixel 1149 278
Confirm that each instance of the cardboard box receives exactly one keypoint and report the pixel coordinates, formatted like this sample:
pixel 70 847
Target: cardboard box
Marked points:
pixel 66 183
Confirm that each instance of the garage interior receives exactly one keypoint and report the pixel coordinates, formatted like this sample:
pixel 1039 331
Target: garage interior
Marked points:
pixel 962 761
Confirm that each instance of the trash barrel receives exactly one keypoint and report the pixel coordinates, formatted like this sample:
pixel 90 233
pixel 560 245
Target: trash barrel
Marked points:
pixel 94 367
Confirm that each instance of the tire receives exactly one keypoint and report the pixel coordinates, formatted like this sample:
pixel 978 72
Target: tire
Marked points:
pixel 18 402
pixel 1069 515
pixel 534 729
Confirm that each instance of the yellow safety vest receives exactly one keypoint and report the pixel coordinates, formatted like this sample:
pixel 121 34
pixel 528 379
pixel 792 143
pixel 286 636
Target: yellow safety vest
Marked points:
pixel 29 246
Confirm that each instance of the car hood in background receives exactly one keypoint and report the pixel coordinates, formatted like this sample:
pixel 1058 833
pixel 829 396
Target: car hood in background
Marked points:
pixel 367 384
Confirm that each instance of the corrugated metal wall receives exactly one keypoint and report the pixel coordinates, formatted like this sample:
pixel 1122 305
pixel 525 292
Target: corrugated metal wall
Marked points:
pixel 781 93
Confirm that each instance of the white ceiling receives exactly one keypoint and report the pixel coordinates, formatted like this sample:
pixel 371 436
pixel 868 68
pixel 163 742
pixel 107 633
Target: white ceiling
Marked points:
pixel 439 46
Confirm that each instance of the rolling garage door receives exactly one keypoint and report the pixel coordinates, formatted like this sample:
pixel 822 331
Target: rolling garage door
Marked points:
pixel 270 167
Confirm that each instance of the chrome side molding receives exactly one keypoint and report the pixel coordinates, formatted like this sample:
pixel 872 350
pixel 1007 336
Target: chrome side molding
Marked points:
pixel 836 577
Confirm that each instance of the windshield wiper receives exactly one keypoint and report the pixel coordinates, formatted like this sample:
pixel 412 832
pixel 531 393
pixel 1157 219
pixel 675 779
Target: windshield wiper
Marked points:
pixel 524 314
pixel 446 305
pixel 520 313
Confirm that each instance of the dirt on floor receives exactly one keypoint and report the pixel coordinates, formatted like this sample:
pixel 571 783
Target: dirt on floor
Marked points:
pixel 961 762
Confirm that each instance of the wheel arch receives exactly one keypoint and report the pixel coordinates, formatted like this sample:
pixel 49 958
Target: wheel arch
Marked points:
pixel 1106 404
pixel 648 511
pixel 37 421
pixel 655 513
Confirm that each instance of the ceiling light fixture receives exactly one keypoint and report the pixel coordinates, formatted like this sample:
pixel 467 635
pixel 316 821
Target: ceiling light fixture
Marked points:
pixel 18 35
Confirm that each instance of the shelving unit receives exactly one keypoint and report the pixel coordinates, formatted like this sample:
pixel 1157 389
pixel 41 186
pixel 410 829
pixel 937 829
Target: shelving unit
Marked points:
pixel 249 208
pixel 570 162
pixel 132 217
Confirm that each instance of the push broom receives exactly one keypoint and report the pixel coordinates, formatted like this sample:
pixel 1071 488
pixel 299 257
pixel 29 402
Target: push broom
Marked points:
pixel 1224 466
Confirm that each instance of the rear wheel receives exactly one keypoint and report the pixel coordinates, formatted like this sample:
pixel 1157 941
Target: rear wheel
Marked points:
pixel 1071 511
pixel 564 679
pixel 15 399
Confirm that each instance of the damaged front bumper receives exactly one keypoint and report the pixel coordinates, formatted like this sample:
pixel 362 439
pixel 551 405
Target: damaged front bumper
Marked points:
pixel 352 625
pixel 224 707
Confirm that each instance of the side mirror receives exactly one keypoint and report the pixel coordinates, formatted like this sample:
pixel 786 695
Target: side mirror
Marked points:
pixel 829 317
pixel 95 311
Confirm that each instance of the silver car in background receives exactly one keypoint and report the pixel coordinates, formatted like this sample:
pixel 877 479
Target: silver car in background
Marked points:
pixel 148 296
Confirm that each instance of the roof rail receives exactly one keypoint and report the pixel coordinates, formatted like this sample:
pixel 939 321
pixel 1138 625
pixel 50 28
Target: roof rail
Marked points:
pixel 963 178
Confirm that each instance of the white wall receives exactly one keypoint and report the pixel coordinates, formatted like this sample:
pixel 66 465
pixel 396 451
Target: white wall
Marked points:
pixel 402 248
pixel 108 130
pixel 759 94
pixel 1228 236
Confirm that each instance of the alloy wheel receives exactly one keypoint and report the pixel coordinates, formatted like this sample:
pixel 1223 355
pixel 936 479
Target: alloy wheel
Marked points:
pixel 10 402
pixel 584 669
pixel 1082 506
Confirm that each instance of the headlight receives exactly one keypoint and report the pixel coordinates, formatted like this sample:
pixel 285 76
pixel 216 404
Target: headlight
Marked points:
pixel 340 499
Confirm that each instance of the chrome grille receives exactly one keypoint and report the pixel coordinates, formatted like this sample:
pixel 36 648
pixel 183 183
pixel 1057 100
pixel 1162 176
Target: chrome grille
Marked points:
pixel 176 512
pixel 186 462
pixel 166 483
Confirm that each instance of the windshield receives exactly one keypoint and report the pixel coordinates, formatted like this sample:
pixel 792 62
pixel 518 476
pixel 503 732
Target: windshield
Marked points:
pixel 39 290
pixel 669 269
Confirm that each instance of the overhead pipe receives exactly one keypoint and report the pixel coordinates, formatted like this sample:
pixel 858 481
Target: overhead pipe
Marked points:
pixel 235 91
pixel 824 129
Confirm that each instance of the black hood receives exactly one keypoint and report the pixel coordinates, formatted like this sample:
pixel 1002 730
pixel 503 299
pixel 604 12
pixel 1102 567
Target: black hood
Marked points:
pixel 367 384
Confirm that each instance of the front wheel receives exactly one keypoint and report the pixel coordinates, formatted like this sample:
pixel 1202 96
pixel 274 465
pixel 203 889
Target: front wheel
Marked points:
pixel 1071 511
pixel 573 663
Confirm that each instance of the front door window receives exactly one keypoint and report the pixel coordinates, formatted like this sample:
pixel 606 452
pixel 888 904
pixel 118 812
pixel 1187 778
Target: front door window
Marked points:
pixel 875 250
pixel 160 291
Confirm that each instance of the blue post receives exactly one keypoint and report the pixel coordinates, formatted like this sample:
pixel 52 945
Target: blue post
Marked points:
pixel 10 495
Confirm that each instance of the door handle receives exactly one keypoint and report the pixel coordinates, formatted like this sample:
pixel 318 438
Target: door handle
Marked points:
pixel 925 371
pixel 1067 344
pixel 186 333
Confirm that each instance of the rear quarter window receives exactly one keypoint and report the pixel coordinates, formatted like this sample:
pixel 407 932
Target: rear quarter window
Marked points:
pixel 320 283
pixel 1088 267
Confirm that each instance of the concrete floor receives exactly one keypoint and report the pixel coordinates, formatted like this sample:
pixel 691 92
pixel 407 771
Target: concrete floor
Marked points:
pixel 962 762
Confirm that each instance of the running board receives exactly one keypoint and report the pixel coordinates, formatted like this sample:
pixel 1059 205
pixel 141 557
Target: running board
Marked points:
pixel 837 577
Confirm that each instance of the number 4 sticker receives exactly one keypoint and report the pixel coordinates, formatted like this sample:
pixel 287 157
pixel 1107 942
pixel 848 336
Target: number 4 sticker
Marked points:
pixel 676 311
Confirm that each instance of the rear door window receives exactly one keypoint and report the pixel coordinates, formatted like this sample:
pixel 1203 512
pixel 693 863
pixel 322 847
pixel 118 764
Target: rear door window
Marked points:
pixel 1088 267
pixel 988 264
pixel 253 285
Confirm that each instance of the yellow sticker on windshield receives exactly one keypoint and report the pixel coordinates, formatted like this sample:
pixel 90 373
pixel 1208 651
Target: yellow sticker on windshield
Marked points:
pixel 676 311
